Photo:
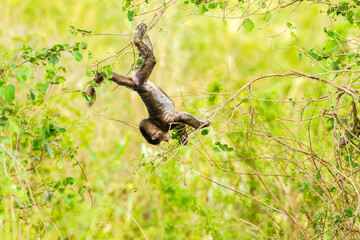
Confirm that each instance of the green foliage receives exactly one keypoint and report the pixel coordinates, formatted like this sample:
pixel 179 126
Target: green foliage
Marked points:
pixel 222 147
pixel 214 87
pixel 7 92
pixel 285 143
pixel 130 15
pixel 205 132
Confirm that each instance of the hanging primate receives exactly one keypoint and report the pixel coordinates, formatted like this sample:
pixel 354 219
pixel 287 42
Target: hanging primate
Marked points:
pixel 162 116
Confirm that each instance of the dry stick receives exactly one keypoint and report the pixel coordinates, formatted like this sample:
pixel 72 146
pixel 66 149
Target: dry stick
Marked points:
pixel 237 191
pixel 277 10
pixel 294 219
pixel 83 173
pixel 232 189
pixel 104 34
pixel 127 123
pixel 153 173
pixel 105 59
pixel 324 163
pixel 253 225
pixel 8 152
pixel 137 223
pixel 185 172
pixel 289 4
pixel 347 89
pixel 208 158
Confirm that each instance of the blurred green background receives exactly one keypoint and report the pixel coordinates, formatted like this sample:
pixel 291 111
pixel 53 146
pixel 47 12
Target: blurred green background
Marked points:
pixel 137 191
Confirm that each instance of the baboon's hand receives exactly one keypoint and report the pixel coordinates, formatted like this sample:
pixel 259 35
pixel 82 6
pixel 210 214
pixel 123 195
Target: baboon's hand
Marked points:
pixel 205 123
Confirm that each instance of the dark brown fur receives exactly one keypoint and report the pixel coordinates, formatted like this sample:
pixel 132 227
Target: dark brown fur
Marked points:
pixel 162 115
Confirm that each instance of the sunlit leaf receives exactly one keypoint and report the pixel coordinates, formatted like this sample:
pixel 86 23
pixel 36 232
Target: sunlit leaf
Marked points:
pixel 205 132
pixel 267 16
pixel 248 25
pixel 77 55
pixel 8 92
pixel 48 149
pixel 130 15
pixel 23 73
pixel 349 212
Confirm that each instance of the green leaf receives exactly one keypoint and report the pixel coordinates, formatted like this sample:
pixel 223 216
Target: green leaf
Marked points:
pixel 59 79
pixel 349 212
pixel 14 127
pixel 107 82
pixel 130 15
pixel 77 55
pixel 37 143
pixel 83 45
pixel 313 54
pixel 69 200
pixel 211 5
pixel 334 66
pixel 69 180
pixel 300 56
pixel 53 58
pixel 267 16
pixel 76 46
pixel 60 163
pixel 8 92
pixel 289 25
pixel 248 25
pixel 4 140
pixel 89 99
pixel 108 69
pixel 49 150
pixel 205 132
pixel 4 123
pixel 58 47
pixel 66 46
pixel 203 9
pixel 216 149
pixel 227 149
pixel 307 184
pixel 57 185
pixel 139 63
pixel 23 74
pixel 50 70
pixel 42 87
pixel 351 55
pixel 90 73
pixel 127 4
pixel 330 33
pixel 274 48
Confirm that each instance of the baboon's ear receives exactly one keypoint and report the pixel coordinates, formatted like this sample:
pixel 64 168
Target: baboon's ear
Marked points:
pixel 156 135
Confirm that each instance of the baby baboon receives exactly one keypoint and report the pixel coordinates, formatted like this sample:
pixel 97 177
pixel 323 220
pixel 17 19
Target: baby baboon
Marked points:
pixel 162 116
